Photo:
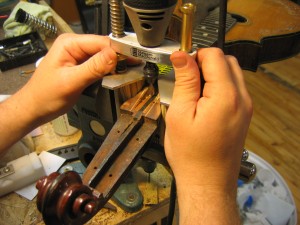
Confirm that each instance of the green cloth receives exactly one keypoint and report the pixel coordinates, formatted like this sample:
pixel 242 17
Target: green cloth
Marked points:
pixel 13 28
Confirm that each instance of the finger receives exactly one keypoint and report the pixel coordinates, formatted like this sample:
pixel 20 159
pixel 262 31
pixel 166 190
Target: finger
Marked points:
pixel 96 67
pixel 79 46
pixel 88 43
pixel 187 75
pixel 213 63
pixel 238 76
pixel 236 72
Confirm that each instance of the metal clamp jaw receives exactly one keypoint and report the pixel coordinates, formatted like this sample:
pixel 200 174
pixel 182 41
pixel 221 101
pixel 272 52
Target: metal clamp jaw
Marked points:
pixel 128 45
pixel 148 24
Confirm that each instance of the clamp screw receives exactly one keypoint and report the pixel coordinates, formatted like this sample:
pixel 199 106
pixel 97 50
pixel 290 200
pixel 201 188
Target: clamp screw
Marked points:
pixel 188 10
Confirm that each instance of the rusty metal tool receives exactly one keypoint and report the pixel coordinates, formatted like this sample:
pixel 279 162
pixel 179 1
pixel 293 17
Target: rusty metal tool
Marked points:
pixel 124 144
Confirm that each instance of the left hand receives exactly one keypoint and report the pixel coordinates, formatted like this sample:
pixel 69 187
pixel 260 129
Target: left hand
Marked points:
pixel 73 62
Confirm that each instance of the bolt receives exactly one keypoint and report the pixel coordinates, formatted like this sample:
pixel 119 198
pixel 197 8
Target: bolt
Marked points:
pixel 122 63
pixel 6 169
pixel 131 197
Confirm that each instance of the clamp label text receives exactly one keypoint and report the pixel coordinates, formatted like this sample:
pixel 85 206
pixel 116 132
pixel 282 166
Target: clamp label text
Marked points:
pixel 148 56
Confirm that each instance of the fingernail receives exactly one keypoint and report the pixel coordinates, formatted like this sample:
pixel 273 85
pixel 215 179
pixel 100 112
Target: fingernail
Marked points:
pixel 110 56
pixel 179 62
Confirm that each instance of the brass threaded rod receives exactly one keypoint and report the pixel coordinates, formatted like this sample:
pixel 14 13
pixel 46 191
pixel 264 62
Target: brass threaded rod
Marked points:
pixel 117 30
pixel 188 10
pixel 117 18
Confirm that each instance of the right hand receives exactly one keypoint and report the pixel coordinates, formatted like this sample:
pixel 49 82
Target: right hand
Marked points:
pixel 205 134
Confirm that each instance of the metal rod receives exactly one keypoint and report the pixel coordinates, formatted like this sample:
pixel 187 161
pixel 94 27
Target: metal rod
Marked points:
pixel 222 24
pixel 188 10
pixel 117 18
pixel 104 16
pixel 97 13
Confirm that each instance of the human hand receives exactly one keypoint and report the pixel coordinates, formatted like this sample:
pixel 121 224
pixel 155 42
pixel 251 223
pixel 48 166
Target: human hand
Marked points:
pixel 205 134
pixel 73 62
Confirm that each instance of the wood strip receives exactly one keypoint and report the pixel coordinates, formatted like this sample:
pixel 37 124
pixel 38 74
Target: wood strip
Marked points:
pixel 286 71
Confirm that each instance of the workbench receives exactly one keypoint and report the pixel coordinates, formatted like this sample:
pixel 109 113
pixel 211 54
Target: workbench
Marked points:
pixel 155 193
pixel 273 135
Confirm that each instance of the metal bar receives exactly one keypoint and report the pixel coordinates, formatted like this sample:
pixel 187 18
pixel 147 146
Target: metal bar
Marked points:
pixel 222 24
pixel 104 17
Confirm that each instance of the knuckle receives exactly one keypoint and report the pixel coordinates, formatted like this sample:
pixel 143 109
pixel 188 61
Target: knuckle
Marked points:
pixel 211 52
pixel 217 52
pixel 94 67
pixel 234 99
pixel 249 106
pixel 239 103
pixel 232 59
pixel 98 66
pixel 63 40
pixel 63 37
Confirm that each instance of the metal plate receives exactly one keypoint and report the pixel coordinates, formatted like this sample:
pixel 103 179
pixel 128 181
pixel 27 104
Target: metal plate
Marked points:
pixel 128 45
pixel 117 81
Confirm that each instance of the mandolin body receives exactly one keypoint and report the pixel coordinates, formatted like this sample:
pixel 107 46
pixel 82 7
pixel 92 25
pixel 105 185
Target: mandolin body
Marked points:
pixel 263 31
pixel 270 33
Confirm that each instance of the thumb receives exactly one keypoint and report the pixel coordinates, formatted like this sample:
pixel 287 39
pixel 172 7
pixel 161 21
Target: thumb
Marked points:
pixel 187 79
pixel 97 66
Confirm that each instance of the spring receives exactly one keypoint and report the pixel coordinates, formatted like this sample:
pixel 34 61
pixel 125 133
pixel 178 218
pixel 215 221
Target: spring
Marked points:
pixel 117 18
pixel 35 23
